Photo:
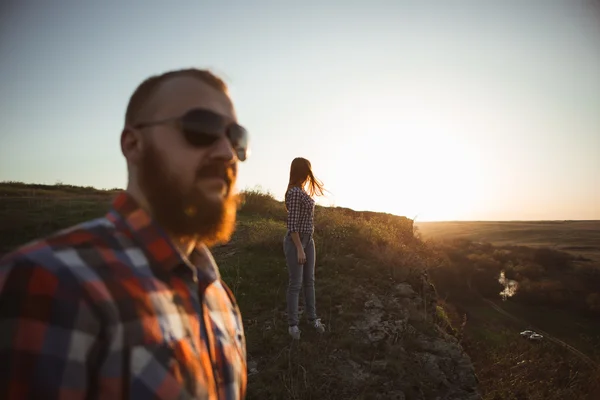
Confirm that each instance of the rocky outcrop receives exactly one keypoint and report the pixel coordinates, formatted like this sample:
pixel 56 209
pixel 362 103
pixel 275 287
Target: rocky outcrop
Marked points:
pixel 428 363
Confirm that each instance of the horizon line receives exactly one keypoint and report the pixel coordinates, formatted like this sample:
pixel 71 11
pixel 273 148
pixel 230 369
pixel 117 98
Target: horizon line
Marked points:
pixel 258 188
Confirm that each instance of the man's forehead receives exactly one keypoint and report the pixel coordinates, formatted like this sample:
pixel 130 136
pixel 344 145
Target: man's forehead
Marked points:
pixel 179 94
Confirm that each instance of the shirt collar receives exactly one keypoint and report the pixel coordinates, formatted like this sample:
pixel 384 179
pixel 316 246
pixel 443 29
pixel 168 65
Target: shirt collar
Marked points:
pixel 163 255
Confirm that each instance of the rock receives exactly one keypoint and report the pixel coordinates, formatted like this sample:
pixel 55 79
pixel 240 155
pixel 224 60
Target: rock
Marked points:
pixel 373 325
pixel 358 373
pixel 349 370
pixel 440 347
pixel 376 335
pixel 373 302
pixel 393 395
pixel 379 365
pixel 446 363
pixel 252 368
pixel 404 290
pixel 428 362
pixel 430 366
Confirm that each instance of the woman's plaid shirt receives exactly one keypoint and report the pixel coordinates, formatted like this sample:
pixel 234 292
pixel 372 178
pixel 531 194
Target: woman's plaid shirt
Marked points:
pixel 301 209
pixel 109 309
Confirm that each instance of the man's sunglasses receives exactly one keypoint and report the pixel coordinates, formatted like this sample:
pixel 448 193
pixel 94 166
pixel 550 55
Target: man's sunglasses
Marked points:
pixel 202 128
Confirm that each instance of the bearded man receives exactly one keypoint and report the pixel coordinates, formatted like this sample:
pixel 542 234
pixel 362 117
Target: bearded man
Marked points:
pixel 132 305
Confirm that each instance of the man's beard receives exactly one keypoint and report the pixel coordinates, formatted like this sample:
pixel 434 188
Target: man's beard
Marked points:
pixel 188 213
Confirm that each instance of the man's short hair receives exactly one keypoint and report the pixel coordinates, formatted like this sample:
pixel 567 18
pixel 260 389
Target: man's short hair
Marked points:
pixel 147 88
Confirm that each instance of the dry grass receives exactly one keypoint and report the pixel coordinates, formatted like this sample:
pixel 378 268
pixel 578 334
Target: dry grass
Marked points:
pixel 511 367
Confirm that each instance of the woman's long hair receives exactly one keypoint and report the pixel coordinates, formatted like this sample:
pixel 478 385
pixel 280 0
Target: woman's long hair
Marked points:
pixel 301 174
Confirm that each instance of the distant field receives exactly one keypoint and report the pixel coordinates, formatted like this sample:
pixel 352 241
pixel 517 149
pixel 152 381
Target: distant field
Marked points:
pixel 578 237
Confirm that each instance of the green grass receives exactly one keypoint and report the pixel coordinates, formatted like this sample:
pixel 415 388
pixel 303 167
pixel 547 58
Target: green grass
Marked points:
pixel 358 254
pixel 23 219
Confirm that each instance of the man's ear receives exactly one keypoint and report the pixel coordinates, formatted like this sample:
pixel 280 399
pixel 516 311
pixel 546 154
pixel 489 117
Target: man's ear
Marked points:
pixel 131 145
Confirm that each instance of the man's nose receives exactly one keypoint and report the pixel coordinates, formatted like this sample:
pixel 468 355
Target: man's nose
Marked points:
pixel 223 150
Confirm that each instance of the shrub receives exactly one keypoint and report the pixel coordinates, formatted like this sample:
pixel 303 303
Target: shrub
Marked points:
pixel 258 203
pixel 552 259
pixel 342 231
pixel 263 234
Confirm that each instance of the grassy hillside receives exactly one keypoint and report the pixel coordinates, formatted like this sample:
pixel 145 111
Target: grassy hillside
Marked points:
pixel 28 211
pixel 380 341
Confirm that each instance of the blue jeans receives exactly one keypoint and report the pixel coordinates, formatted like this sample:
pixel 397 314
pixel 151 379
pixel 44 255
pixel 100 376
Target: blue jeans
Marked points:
pixel 300 276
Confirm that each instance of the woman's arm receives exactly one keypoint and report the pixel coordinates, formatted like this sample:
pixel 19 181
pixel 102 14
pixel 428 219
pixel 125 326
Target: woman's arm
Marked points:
pixel 294 206
pixel 296 240
pixel 299 248
pixel 294 210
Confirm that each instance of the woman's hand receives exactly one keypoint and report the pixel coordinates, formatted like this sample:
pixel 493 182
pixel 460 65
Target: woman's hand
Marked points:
pixel 301 256
pixel 299 248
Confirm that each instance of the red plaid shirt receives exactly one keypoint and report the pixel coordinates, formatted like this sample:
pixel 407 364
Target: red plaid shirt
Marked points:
pixel 109 309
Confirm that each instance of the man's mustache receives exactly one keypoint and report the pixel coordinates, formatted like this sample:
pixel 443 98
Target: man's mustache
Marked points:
pixel 217 170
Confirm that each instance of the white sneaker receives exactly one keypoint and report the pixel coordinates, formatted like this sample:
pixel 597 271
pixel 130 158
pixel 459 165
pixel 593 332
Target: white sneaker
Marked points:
pixel 320 327
pixel 294 332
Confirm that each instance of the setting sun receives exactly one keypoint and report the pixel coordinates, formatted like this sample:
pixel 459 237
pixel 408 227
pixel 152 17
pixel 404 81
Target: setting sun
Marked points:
pixel 410 159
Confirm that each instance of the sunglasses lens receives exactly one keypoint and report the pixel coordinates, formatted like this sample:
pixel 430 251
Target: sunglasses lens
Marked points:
pixel 199 139
pixel 238 136
pixel 202 128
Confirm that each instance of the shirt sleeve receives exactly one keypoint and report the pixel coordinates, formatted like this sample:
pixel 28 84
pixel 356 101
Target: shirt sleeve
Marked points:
pixel 49 333
pixel 294 205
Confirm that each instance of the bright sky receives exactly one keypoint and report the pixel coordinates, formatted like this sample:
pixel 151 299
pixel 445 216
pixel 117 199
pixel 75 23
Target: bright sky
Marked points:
pixel 446 110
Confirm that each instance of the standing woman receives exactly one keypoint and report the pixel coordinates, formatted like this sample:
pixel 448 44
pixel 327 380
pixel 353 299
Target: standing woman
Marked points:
pixel 298 243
